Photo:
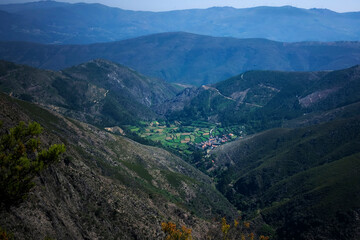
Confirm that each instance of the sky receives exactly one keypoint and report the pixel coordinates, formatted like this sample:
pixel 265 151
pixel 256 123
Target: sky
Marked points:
pixel 166 5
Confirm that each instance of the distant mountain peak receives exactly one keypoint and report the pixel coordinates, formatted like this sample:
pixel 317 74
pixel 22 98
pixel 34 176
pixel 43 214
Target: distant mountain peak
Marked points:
pixel 57 22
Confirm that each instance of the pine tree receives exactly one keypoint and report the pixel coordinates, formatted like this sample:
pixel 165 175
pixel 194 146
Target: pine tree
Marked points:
pixel 21 159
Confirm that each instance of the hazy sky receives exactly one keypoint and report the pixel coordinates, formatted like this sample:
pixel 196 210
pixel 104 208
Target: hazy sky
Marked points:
pixel 165 5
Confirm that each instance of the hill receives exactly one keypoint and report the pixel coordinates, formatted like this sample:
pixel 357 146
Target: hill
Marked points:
pixel 99 91
pixel 56 22
pixel 264 99
pixel 106 186
pixel 189 58
pixel 302 181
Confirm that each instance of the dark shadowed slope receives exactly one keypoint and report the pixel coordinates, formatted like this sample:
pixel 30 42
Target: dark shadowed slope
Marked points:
pixel 304 181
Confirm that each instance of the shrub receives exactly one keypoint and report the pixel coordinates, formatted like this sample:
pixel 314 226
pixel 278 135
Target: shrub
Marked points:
pixel 172 233
pixel 21 159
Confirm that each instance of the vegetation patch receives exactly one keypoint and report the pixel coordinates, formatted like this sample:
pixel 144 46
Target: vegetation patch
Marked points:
pixel 21 159
pixel 139 170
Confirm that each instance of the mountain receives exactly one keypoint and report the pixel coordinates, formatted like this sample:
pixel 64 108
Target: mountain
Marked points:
pixel 289 113
pixel 302 181
pixel 108 94
pixel 265 99
pixel 296 182
pixel 56 22
pixel 188 58
pixel 106 186
pixel 99 91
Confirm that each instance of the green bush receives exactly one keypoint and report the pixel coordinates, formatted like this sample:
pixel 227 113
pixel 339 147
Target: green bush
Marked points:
pixel 21 159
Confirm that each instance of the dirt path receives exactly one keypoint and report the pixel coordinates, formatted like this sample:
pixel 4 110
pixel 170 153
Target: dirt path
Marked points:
pixel 216 90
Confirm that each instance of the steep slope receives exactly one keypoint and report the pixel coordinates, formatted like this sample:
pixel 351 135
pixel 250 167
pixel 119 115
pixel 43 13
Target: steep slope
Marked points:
pixel 53 22
pixel 99 91
pixel 265 99
pixel 189 58
pixel 328 196
pixel 117 78
pixel 107 186
pixel 304 181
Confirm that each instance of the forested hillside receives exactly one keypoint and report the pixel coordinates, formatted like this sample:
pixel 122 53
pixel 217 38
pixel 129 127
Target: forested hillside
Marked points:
pixel 304 181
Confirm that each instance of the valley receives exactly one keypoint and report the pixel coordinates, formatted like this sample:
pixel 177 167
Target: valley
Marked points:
pixel 105 183
pixel 251 136
pixel 202 124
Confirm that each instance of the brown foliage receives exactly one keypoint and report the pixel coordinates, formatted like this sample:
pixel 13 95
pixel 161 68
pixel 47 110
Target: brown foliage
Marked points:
pixel 172 233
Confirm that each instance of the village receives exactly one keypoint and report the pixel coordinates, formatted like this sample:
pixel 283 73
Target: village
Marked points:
pixel 184 138
pixel 215 141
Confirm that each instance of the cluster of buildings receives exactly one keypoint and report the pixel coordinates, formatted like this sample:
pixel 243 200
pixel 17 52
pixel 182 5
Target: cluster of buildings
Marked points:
pixel 214 142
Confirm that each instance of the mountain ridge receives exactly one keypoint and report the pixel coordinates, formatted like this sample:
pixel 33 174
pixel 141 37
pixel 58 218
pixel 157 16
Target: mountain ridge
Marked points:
pixel 58 22
pixel 266 99
pixel 98 91
pixel 190 58
pixel 105 93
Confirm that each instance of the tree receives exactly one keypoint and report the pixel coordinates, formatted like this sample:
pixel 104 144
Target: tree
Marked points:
pixel 21 159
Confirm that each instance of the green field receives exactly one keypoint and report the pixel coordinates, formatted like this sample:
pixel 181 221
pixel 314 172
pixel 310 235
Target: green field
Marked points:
pixel 180 137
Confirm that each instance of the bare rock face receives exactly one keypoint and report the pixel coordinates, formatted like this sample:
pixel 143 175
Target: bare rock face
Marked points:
pixel 115 129
pixel 315 97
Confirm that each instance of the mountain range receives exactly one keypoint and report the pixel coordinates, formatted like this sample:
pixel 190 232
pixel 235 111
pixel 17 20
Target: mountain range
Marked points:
pixel 104 93
pixel 266 99
pixel 219 123
pixel 64 23
pixel 260 174
pixel 189 58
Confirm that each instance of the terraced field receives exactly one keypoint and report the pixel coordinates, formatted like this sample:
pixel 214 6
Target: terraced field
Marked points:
pixel 187 138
